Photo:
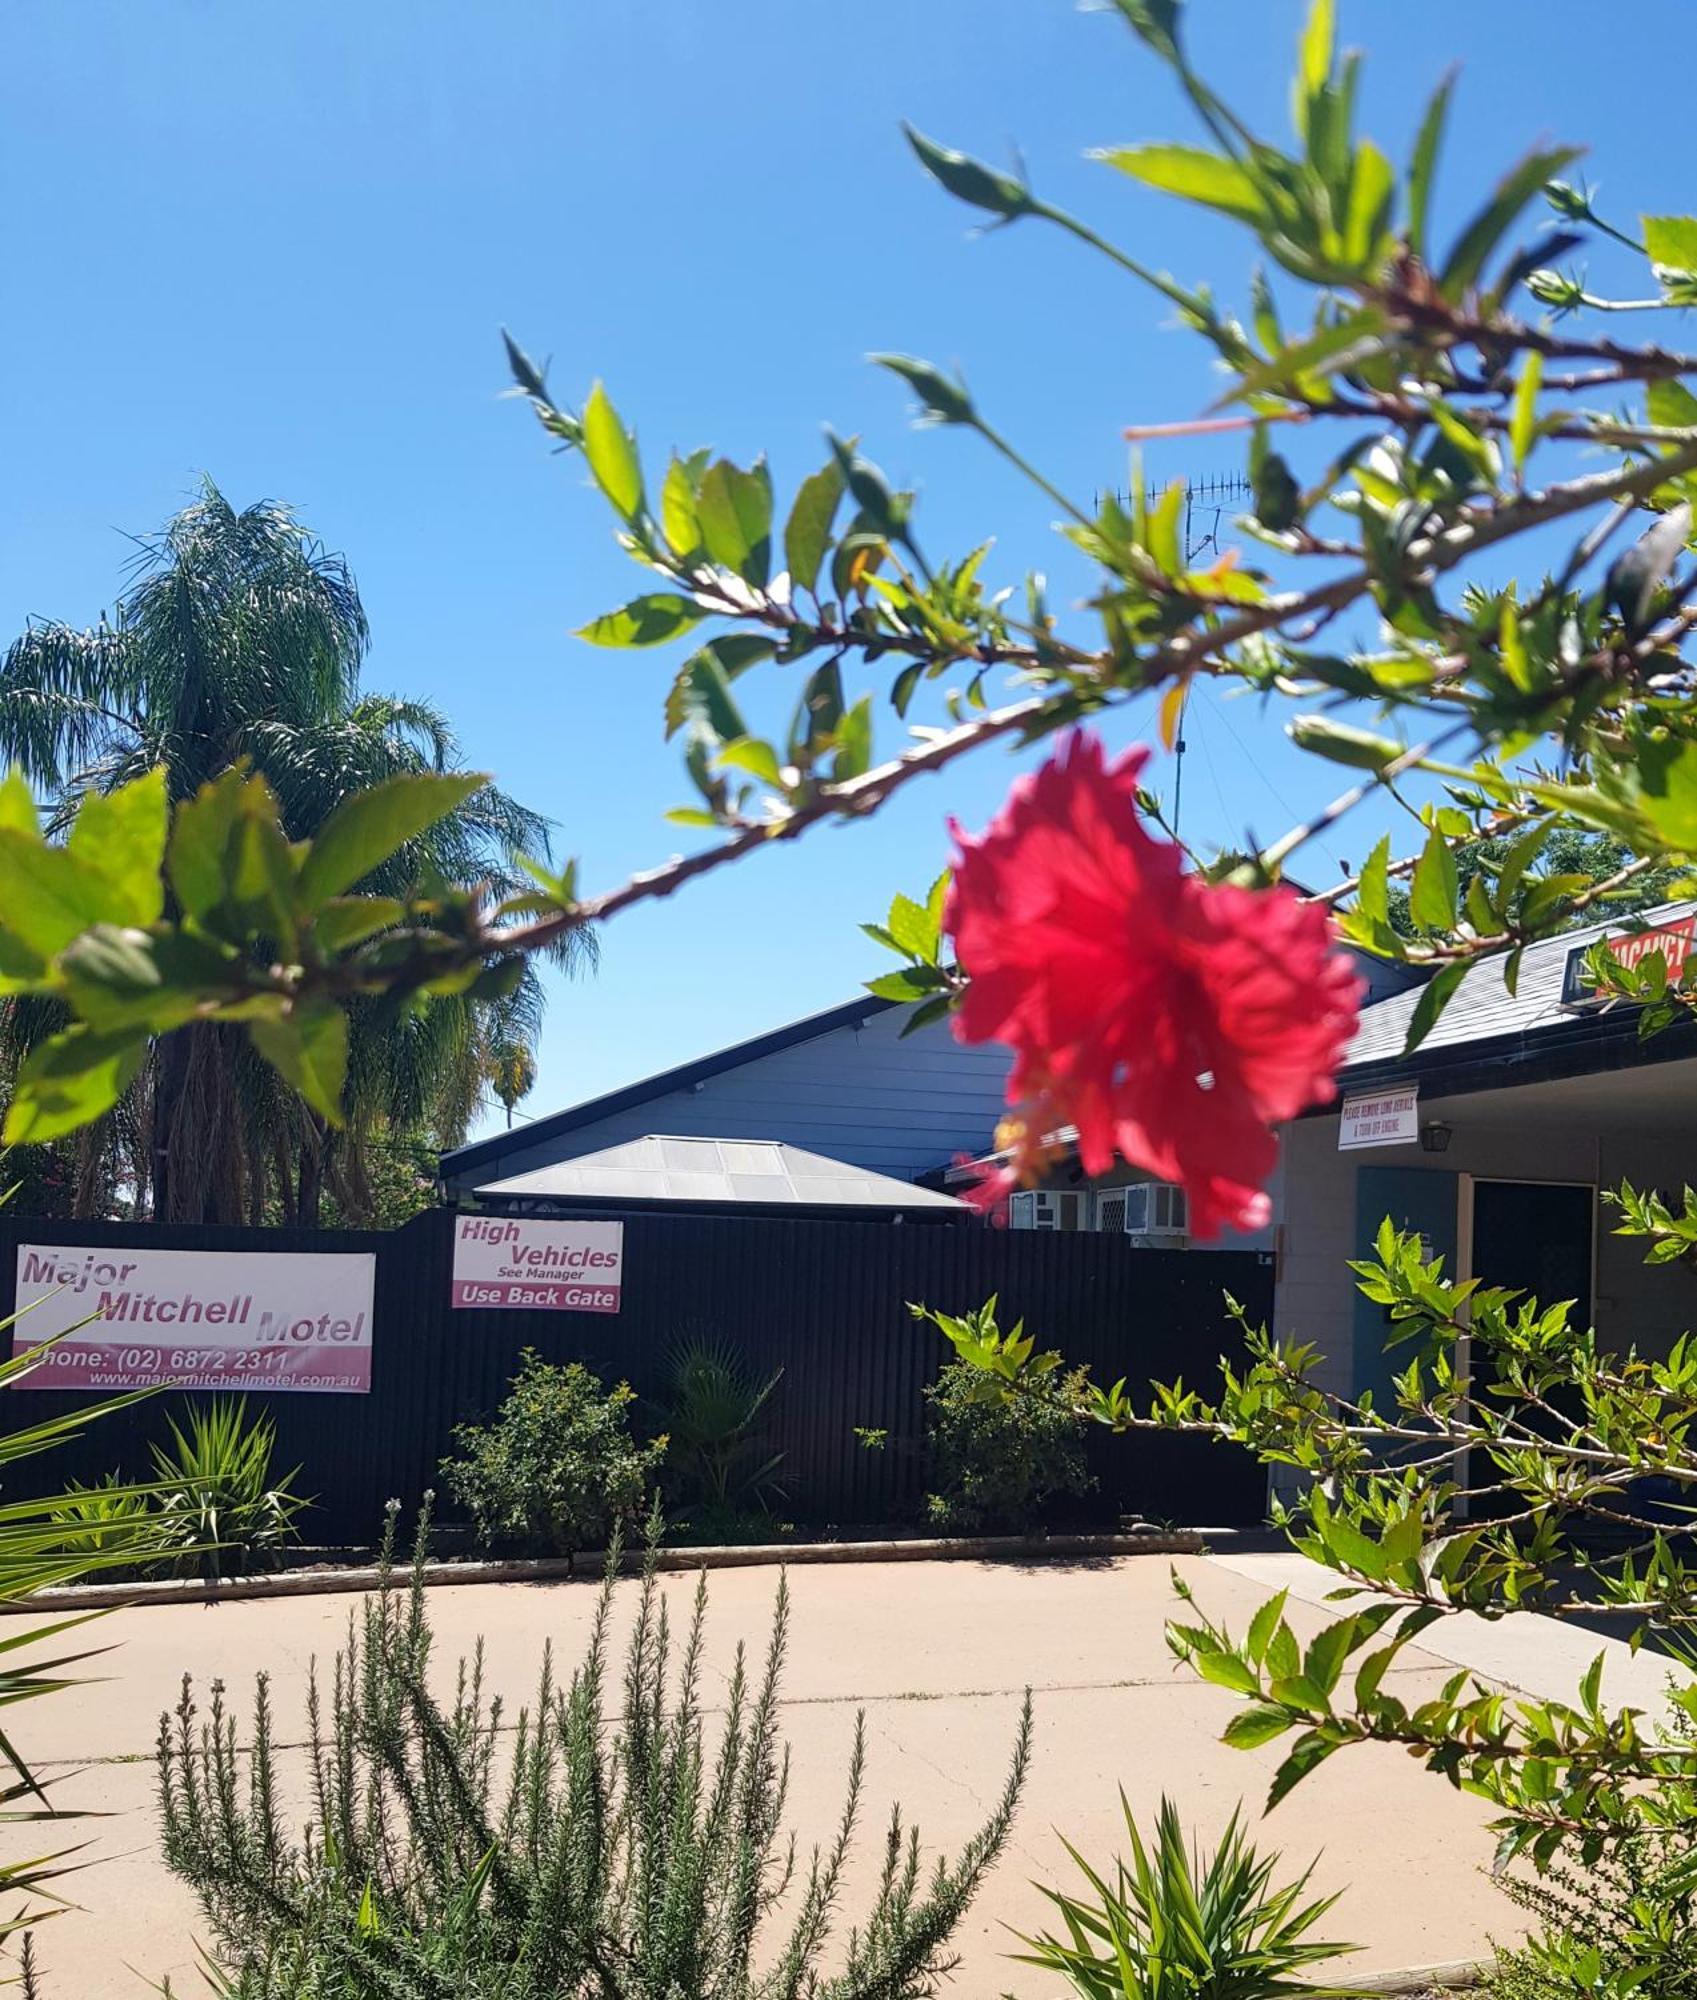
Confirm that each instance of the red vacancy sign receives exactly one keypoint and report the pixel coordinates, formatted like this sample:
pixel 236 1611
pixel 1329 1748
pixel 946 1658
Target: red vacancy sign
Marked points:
pixel 541 1266
pixel 1675 941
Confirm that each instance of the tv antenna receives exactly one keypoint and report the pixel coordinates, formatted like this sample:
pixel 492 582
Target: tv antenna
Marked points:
pixel 1206 502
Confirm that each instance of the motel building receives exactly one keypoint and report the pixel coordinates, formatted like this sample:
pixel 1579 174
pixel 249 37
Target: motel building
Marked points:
pixel 1495 1141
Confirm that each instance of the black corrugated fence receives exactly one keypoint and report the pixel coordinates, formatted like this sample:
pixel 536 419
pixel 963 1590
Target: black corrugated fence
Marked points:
pixel 825 1301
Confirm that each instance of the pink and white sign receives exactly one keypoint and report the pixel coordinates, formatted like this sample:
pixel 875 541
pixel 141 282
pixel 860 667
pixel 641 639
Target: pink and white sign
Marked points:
pixel 197 1319
pixel 543 1266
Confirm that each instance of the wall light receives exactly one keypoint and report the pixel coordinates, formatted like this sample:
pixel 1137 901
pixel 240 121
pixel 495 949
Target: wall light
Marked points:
pixel 1435 1138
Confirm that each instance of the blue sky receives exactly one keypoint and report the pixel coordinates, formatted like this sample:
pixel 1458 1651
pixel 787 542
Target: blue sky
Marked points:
pixel 275 242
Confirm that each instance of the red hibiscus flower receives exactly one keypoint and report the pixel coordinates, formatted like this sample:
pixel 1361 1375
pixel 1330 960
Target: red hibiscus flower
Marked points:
pixel 1173 1023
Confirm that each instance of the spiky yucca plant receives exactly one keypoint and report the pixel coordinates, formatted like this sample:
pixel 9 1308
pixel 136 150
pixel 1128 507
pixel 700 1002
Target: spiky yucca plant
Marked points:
pixel 1182 1923
pixel 630 1852
pixel 217 1497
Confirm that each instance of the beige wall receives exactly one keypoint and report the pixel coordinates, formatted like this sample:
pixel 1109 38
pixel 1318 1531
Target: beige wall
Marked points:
pixel 1638 1125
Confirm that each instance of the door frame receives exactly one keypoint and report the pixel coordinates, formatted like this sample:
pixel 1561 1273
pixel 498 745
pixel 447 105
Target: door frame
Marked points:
pixel 1464 1246
pixel 1464 1222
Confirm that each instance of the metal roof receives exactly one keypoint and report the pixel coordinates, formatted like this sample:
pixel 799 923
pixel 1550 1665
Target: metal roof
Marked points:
pixel 482 1152
pixel 1481 1007
pixel 734 1172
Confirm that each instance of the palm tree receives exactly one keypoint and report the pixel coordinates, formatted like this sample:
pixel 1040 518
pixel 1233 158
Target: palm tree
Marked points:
pixel 426 1068
pixel 240 636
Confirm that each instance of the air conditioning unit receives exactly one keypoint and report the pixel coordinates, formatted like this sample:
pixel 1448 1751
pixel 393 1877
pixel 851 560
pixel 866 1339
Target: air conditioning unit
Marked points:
pixel 1152 1211
pixel 1048 1208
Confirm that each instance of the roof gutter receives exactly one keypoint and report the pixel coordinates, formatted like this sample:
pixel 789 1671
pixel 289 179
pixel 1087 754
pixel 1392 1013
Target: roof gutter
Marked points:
pixel 1588 1045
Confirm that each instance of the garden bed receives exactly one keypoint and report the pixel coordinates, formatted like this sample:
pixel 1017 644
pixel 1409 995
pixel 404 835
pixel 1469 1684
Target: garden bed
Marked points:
pixel 329 1576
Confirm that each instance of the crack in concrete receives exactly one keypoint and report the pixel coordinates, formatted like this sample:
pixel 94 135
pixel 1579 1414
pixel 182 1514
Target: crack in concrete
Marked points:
pixel 868 1702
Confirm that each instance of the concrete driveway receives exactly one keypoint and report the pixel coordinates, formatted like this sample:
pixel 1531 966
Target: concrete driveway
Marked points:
pixel 937 1654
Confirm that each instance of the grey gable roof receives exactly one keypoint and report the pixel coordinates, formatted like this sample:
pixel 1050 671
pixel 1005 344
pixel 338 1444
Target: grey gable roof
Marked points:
pixel 485 1152
pixel 744 1172
pixel 1482 1010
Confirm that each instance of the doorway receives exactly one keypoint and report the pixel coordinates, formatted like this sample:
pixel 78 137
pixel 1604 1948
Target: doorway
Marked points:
pixel 1537 1237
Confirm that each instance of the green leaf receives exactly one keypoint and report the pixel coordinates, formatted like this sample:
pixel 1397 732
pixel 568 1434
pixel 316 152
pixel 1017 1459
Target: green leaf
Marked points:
pixel 1370 196
pixel 1467 443
pixel 365 830
pixel 69 1080
pixel 914 928
pixel 912 984
pixel 853 739
pixel 52 895
pixel 120 978
pixel 677 510
pixel 701 696
pixel 1671 241
pixel 1264 1624
pixel 728 656
pixel 1523 419
pixel 200 838
pixel 1494 220
pixel 308 1047
pixel 1423 164
pixel 611 454
pixel 1306 1754
pixel 1667 772
pixel 1342 743
pixel 1435 996
pixel 1511 649
pixel 1251 1727
pixel 1435 893
pixel 819 711
pixel 260 870
pixel 937 1008
pixel 755 756
pixel 1671 406
pixel 1192 174
pixel 969 180
pixel 1322 353
pixel 1165 531
pixel 346 920
pixel 649 620
pixel 121 835
pixel 17 804
pixel 1373 891
pixel 1323 1662
pixel 735 511
pixel 1226 1670
pixel 807 532
pixel 1314 55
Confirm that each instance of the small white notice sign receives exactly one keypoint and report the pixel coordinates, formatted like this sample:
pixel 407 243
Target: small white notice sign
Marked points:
pixel 1383 1118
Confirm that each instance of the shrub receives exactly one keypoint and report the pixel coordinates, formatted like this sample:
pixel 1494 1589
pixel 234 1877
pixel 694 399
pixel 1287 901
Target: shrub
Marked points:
pixel 997 1462
pixel 107 1521
pixel 1627 1924
pixel 1178 1924
pixel 621 1858
pixel 217 1503
pixel 721 1467
pixel 558 1469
